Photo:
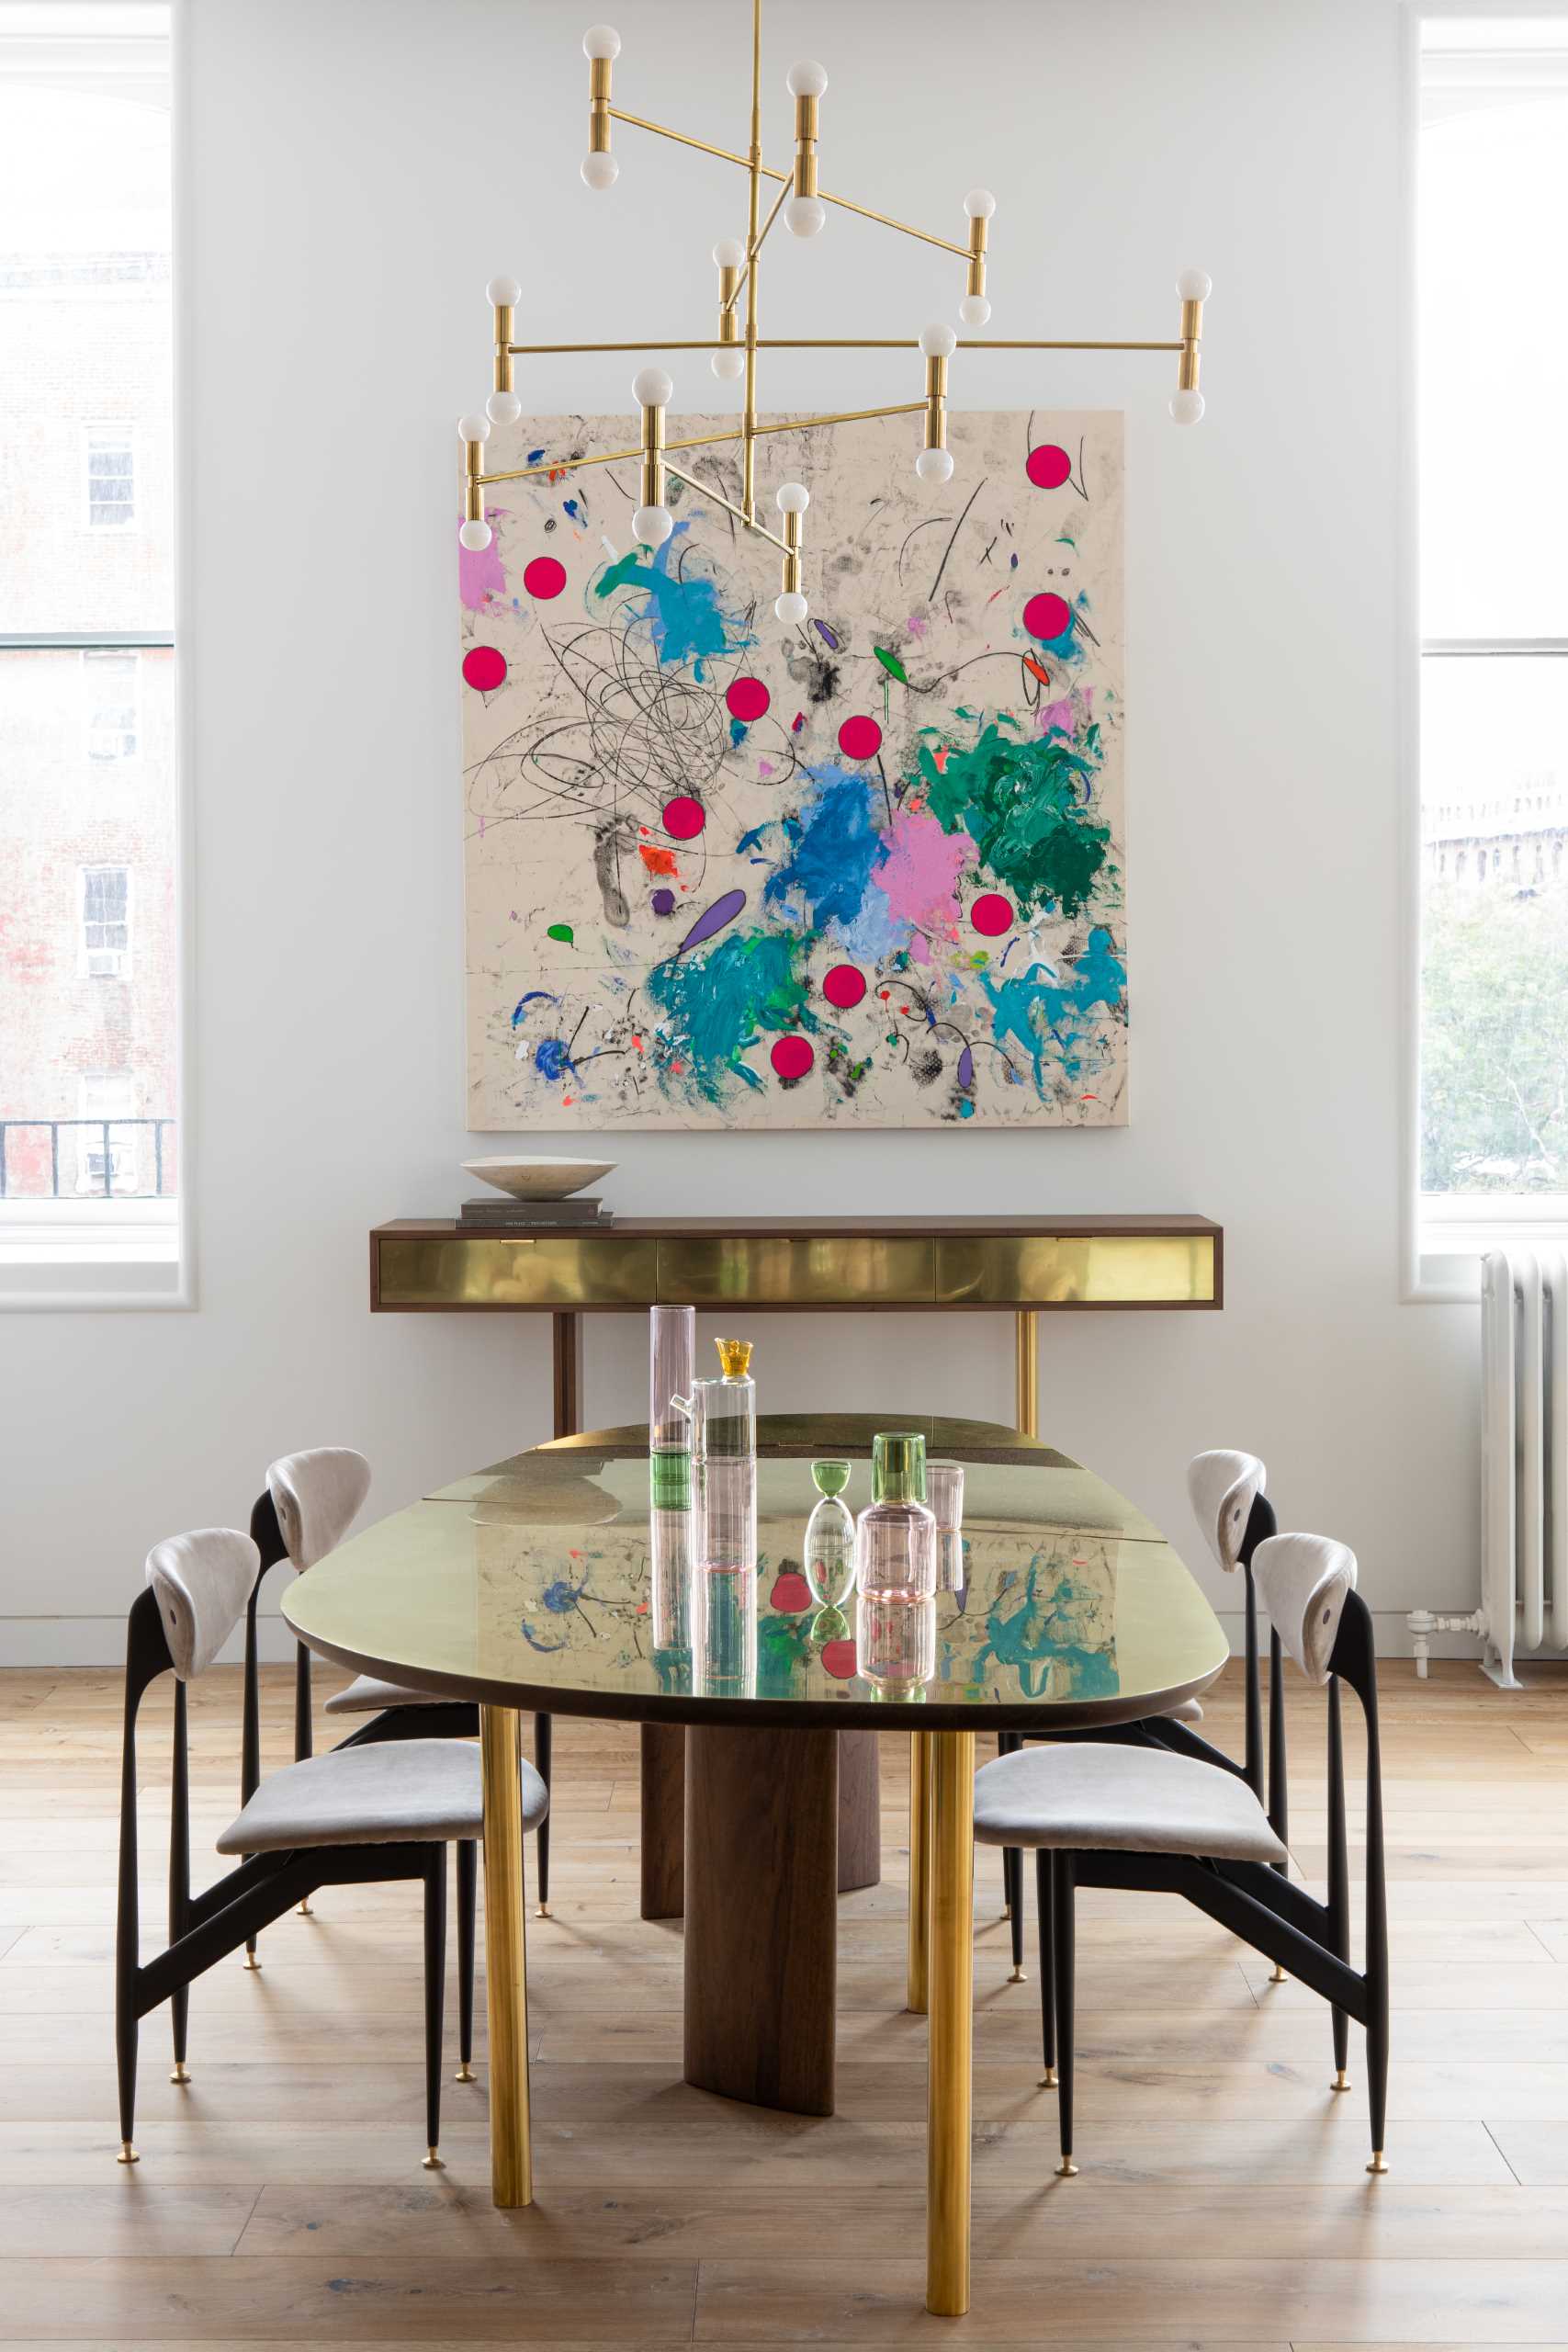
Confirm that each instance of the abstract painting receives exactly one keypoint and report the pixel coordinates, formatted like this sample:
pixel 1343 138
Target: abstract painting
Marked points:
pixel 865 871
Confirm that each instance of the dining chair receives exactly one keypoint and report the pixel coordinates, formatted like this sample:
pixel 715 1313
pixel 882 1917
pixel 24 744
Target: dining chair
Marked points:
pixel 1144 1817
pixel 378 1812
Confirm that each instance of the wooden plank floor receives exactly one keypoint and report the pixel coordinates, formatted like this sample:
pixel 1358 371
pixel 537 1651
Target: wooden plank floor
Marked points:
pixel 280 2199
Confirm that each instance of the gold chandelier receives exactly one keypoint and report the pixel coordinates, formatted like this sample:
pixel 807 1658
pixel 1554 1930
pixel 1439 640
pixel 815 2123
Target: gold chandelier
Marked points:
pixel 736 350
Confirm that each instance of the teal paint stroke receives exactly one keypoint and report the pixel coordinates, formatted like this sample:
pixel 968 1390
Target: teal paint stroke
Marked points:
pixel 714 1008
pixel 1044 1012
pixel 682 609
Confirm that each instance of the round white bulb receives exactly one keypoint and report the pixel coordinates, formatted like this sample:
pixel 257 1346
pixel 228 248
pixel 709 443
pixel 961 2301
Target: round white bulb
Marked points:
pixel 1187 407
pixel 805 216
pixel 1194 285
pixel 805 78
pixel 729 363
pixel 974 310
pixel 473 428
pixel 503 292
pixel 794 498
pixel 600 171
pixel 651 388
pixel 600 41
pixel 729 254
pixel 938 342
pixel 652 526
pixel 475 536
pixel 790 607
pixel 934 465
pixel 979 204
pixel 503 408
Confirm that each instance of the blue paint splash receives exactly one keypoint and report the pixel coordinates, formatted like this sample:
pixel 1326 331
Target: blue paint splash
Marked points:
pixel 682 612
pixel 837 846
pixel 1039 1009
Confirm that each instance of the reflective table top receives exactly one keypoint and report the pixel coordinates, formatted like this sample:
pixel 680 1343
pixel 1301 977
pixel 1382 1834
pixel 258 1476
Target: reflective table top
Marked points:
pixel 549 1582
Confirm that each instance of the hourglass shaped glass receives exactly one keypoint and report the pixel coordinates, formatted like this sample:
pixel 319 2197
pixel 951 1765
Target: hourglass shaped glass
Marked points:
pixel 830 1536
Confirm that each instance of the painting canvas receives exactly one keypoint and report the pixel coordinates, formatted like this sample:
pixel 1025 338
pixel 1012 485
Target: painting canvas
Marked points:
pixel 865 871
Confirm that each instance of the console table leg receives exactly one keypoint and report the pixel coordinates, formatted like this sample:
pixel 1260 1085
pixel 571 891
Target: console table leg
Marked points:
pixel 566 1334
pixel 1026 1412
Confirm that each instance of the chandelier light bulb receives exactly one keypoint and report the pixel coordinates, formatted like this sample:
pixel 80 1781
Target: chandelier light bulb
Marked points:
pixel 974 310
pixel 1194 286
pixel 652 526
pixel 934 465
pixel 805 78
pixel 473 428
pixel 794 498
pixel 503 292
pixel 729 363
pixel 938 342
pixel 979 204
pixel 805 216
pixel 600 41
pixel 791 605
pixel 503 408
pixel 651 388
pixel 1187 407
pixel 600 171
pixel 729 254
pixel 475 536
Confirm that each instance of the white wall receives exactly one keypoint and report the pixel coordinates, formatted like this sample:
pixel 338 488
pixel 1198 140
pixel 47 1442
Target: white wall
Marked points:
pixel 363 166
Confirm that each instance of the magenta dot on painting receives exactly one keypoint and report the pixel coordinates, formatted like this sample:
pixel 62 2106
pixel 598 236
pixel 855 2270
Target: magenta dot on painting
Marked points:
pixel 792 1057
pixel 683 817
pixel 791 1593
pixel 545 577
pixel 1048 467
pixel 1047 615
pixel 860 739
pixel 991 914
pixel 838 1660
pixel 483 667
pixel 747 698
pixel 844 986
pixel 663 903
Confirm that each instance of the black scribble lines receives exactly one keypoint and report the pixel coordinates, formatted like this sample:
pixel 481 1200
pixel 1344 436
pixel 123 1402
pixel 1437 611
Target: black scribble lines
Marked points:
pixel 941 567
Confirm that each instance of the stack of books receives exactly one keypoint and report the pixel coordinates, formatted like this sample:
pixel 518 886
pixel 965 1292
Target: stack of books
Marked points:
pixel 533 1217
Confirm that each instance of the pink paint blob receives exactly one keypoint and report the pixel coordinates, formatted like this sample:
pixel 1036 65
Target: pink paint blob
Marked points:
pixel 919 877
pixel 544 577
pixel 481 575
pixel 791 1593
pixel 747 698
pixel 1048 467
pixel 860 739
pixel 991 914
pixel 484 668
pixel 683 817
pixel 1047 615
pixel 792 1057
pixel 844 986
pixel 838 1660
pixel 1061 718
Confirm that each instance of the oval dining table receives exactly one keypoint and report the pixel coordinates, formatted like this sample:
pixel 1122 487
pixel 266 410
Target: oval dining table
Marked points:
pixel 549 1584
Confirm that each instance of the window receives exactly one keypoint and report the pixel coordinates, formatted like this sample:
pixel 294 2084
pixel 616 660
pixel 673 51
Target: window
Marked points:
pixel 111 477
pixel 105 921
pixel 1492 360
pixel 113 687
pixel 90 945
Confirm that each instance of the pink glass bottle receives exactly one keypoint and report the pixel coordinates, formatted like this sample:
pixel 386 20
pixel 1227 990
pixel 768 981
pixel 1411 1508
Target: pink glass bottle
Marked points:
pixel 895 1535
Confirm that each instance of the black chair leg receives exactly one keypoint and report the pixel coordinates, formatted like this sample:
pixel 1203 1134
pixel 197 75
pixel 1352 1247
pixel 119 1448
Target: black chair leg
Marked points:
pixel 1047 1968
pixel 1063 1884
pixel 434 1998
pixel 1012 1879
pixel 126 2028
pixel 542 1726
pixel 468 1886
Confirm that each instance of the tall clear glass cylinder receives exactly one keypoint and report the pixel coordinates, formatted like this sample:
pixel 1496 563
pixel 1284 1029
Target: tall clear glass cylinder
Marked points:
pixel 671 1362
pixel 724 1435
pixel 944 1497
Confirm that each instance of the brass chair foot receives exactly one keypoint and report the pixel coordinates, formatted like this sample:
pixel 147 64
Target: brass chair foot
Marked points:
pixel 1278 1977
pixel 433 2161
pixel 127 2154
pixel 1378 2162
pixel 1018 1977
pixel 1341 2081
pixel 465 2074
pixel 253 1962
pixel 543 1912
pixel 1067 2169
pixel 1048 2079
pixel 181 2073
pixel 305 1911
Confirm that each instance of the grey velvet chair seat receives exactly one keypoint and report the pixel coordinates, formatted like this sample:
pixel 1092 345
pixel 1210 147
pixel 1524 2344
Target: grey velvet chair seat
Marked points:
pixel 367 1696
pixel 1123 1800
pixel 392 1793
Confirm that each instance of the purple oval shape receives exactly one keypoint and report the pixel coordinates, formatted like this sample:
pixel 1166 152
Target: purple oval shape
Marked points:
pixel 828 636
pixel 966 1067
pixel 712 919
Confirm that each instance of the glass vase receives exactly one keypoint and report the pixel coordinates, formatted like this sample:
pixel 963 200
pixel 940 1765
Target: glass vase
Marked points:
pixel 671 1360
pixel 895 1644
pixel 895 1536
pixel 944 1495
pixel 830 1536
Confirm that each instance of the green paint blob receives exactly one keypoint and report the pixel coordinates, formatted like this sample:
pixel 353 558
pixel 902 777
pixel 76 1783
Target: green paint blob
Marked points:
pixel 561 931
pixel 1020 799
pixel 891 663
pixel 715 1007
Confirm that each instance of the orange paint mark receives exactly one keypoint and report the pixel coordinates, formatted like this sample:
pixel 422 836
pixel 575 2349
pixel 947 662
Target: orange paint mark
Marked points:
pixel 1030 663
pixel 566 1101
pixel 658 861
pixel 940 759
pixel 994 594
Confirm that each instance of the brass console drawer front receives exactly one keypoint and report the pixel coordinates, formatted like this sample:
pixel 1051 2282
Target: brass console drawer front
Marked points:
pixel 1104 1269
pixel 433 1270
pixel 769 1270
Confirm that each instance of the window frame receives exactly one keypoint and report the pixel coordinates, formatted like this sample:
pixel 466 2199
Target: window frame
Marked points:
pixel 92 658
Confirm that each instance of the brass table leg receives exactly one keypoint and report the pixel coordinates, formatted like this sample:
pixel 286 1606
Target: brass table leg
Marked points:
pixel 949 2100
pixel 506 1985
pixel 917 1979
pixel 1026 1412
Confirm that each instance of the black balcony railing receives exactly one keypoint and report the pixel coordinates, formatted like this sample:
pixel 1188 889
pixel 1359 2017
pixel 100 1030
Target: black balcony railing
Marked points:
pixel 93 1159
